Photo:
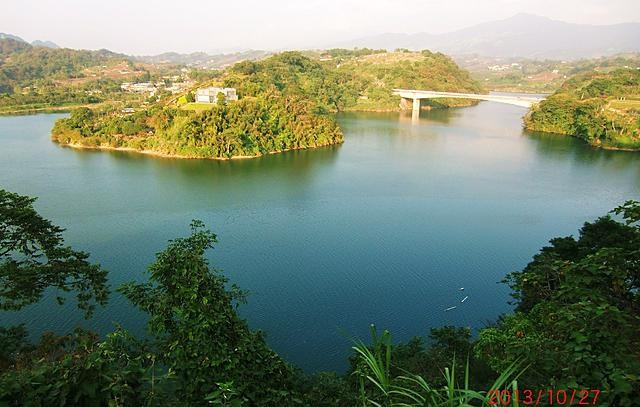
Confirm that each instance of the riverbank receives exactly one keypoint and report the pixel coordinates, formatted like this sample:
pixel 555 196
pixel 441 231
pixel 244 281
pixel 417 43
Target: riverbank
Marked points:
pixel 601 108
pixel 181 156
pixel 26 109
pixel 595 146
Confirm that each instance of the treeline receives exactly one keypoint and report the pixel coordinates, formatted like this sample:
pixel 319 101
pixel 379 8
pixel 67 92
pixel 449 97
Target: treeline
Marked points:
pixel 336 80
pixel 377 74
pixel 283 104
pixel 355 80
pixel 293 74
pixel 22 64
pixel 341 53
pixel 601 108
pixel 575 328
pixel 47 93
pixel 250 127
pixel 37 78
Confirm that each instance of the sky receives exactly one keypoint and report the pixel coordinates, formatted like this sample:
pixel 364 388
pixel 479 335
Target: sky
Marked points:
pixel 142 27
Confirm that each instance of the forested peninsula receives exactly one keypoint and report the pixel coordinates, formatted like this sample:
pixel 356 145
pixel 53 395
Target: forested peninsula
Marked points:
pixel 285 102
pixel 601 108
pixel 249 127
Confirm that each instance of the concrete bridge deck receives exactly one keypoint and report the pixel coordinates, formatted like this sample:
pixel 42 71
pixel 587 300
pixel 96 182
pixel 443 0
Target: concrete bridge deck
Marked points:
pixel 417 95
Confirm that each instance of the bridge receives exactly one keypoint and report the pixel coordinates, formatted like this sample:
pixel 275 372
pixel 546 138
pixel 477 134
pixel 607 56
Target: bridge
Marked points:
pixel 417 95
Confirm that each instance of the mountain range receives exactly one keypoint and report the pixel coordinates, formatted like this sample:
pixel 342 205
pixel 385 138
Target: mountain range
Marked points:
pixel 36 43
pixel 520 36
pixel 523 35
pixel 203 59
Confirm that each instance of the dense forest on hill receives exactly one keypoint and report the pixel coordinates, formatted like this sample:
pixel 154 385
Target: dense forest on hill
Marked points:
pixel 284 101
pixel 293 74
pixel 378 74
pixel 250 127
pixel 40 78
pixel 22 64
pixel 574 330
pixel 353 79
pixel 600 108
pixel 33 78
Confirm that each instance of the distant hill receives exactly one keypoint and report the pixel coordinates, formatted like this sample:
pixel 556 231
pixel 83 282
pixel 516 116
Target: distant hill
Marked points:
pixel 4 36
pixel 36 43
pixel 45 44
pixel 21 63
pixel 203 59
pixel 9 45
pixel 523 35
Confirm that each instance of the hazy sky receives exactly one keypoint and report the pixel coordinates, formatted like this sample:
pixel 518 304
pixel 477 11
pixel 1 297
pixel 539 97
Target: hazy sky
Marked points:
pixel 150 27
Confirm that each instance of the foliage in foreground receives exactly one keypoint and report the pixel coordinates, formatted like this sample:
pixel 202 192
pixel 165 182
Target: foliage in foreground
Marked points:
pixel 578 314
pixel 378 387
pixel 33 258
pixel 197 332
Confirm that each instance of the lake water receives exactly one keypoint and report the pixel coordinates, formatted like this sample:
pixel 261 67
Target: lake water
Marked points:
pixel 383 229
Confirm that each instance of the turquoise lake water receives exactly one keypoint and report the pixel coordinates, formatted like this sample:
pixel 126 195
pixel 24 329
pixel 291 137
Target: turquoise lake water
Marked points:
pixel 383 229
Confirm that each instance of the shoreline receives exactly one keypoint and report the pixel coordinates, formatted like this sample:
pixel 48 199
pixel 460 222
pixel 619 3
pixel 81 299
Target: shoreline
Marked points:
pixel 27 112
pixel 179 156
pixel 594 146
pixel 18 111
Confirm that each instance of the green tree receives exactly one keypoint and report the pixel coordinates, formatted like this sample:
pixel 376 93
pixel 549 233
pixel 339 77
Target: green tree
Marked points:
pixel 33 257
pixel 73 369
pixel 578 315
pixel 197 332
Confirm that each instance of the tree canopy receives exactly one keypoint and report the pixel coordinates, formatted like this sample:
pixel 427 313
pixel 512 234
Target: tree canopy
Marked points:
pixel 249 127
pixel 33 257
pixel 578 312
pixel 601 108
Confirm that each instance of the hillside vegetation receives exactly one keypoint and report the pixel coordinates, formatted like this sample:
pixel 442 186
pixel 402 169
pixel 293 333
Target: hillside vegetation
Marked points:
pixel 377 74
pixel 248 128
pixel 338 80
pixel 600 108
pixel 284 104
pixel 38 78
pixel 538 75
pixel 33 78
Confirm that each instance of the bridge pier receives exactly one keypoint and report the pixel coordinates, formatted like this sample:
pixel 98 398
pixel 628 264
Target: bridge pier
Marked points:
pixel 415 111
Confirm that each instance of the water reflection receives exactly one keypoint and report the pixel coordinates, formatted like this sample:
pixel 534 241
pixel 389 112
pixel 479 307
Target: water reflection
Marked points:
pixel 567 149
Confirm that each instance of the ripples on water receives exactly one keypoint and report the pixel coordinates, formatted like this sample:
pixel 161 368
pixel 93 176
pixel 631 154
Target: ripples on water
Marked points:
pixel 384 228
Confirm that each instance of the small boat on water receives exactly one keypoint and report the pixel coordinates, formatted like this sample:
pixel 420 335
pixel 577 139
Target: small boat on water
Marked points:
pixel 450 308
pixel 464 299
pixel 461 288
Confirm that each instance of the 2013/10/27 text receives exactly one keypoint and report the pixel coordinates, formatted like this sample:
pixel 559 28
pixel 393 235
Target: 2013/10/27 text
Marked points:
pixel 551 397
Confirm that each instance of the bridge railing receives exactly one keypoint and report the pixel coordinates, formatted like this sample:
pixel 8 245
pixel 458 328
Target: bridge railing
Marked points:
pixel 426 94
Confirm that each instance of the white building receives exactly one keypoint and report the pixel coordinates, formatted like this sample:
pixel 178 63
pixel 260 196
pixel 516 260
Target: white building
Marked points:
pixel 210 95
pixel 140 87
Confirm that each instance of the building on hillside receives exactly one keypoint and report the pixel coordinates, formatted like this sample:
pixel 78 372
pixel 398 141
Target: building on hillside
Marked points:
pixel 210 95
pixel 178 87
pixel 140 87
